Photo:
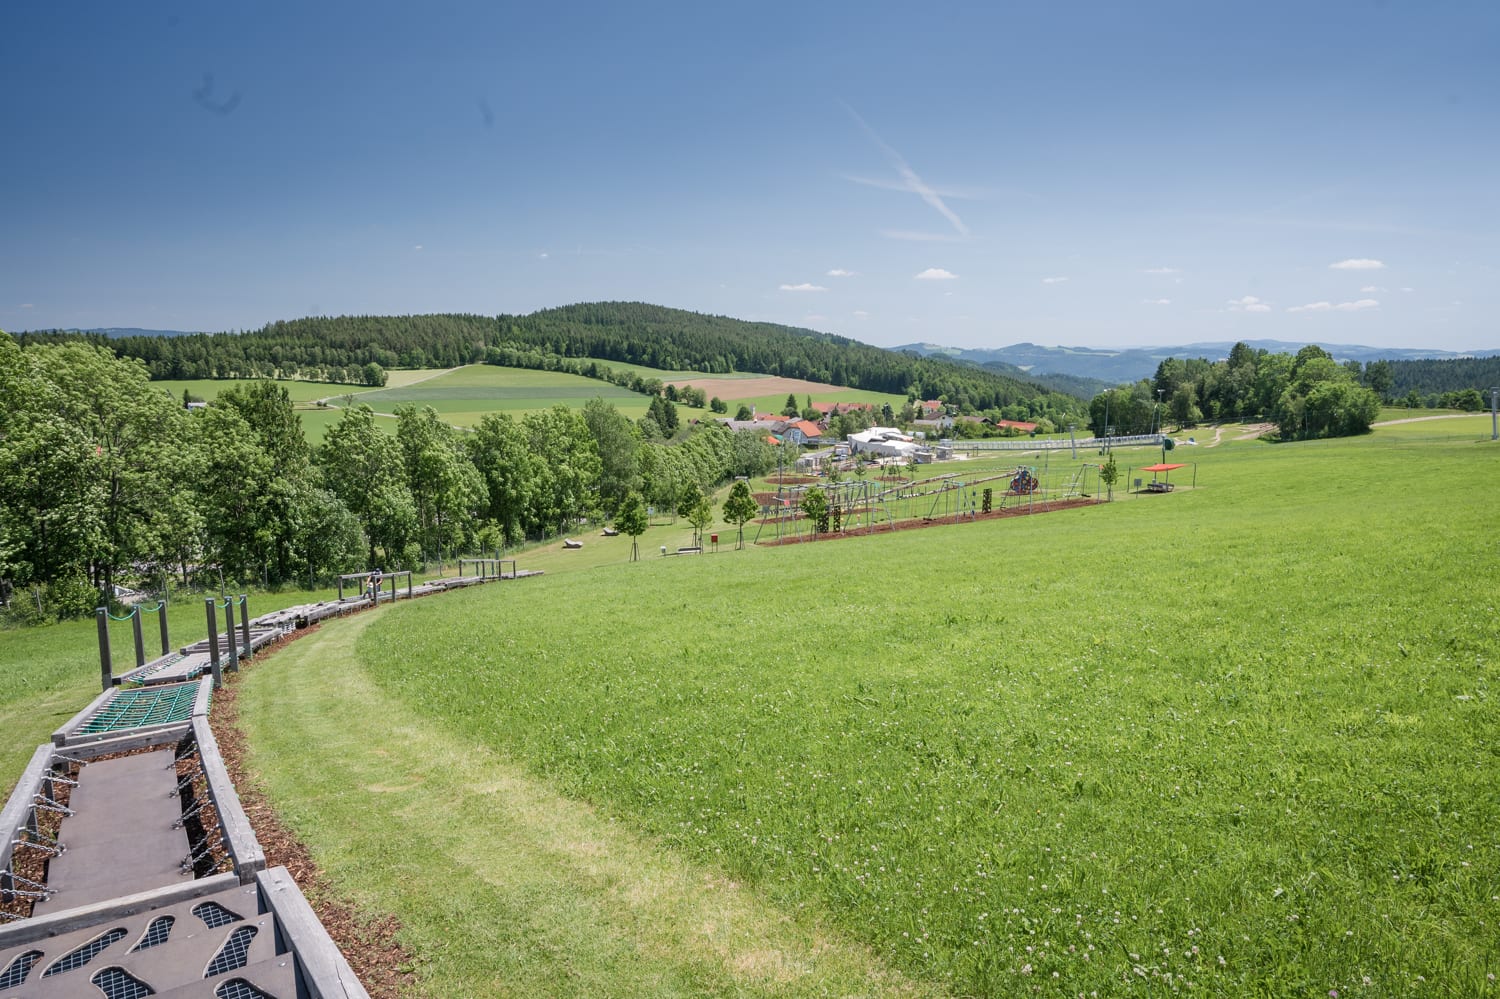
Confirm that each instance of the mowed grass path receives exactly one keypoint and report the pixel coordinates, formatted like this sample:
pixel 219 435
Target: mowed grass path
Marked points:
pixel 1242 737
pixel 503 887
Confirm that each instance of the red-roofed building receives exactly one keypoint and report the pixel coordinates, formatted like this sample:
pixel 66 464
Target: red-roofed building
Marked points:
pixel 803 432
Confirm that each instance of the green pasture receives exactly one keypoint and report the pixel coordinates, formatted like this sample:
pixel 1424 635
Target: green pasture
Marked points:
pixel 1237 740
pixel 48 674
pixel 317 421
pixel 465 394
pixel 208 389
pixel 1233 740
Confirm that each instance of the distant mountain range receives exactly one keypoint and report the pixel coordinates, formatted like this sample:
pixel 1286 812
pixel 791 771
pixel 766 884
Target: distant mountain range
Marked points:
pixel 1106 367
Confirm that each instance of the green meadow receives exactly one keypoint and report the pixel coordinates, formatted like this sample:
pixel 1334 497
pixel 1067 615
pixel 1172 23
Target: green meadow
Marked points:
pixel 1234 740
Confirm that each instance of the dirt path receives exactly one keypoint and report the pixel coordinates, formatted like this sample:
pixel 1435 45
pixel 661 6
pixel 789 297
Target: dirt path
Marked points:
pixel 1423 419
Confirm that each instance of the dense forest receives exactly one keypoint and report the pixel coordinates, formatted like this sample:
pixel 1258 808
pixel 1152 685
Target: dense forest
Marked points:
pixel 1307 395
pixel 1454 383
pixel 106 478
pixel 358 348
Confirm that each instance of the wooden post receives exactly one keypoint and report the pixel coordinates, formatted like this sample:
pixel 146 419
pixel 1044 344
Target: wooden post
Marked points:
pixel 245 620
pixel 229 636
pixel 140 642
pixel 341 587
pixel 213 642
pixel 161 612
pixel 106 669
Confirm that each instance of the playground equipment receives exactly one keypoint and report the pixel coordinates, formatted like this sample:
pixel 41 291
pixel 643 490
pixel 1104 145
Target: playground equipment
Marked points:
pixel 1024 482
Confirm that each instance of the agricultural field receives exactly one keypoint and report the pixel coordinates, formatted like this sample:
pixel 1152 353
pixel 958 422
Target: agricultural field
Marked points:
pixel 767 393
pixel 1238 740
pixel 463 395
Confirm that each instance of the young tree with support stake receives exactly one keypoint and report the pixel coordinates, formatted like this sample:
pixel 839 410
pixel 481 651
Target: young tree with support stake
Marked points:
pixel 700 516
pixel 632 521
pixel 739 508
pixel 815 505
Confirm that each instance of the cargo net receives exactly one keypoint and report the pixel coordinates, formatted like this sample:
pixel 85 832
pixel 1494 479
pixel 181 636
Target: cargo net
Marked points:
pixel 43 835
pixel 141 707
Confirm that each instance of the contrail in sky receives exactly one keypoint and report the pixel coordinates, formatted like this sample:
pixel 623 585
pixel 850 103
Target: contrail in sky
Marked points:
pixel 909 177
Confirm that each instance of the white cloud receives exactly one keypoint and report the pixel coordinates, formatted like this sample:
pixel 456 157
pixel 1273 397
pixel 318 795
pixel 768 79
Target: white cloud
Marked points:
pixel 861 314
pixel 1371 289
pixel 840 272
pixel 417 247
pixel 936 274
pixel 1408 289
pixel 1248 304
pixel 1156 301
pixel 1359 306
pixel 804 286
pixel 28 305
pixel 1162 270
pixel 1358 264
pixel 1054 280
pixel 814 319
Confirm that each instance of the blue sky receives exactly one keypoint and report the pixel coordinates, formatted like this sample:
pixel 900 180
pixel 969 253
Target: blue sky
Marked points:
pixel 1098 174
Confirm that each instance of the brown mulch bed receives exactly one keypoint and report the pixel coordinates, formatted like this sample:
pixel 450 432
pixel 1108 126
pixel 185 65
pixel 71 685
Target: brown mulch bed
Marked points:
pixel 1020 510
pixel 384 967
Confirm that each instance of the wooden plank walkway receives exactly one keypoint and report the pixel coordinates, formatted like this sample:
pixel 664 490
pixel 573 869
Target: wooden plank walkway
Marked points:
pixel 120 838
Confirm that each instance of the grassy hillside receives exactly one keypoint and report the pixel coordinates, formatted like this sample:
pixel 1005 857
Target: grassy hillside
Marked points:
pixel 1242 736
pixel 1240 739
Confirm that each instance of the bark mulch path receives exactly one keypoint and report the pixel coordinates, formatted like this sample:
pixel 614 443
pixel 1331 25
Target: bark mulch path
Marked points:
pixel 384 967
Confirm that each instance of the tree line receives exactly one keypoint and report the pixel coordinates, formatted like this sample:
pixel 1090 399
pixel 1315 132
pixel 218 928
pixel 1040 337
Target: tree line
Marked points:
pixel 1307 395
pixel 105 478
pixel 582 339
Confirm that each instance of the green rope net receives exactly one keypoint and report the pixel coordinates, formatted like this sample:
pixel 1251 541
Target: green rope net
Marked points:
pixel 138 708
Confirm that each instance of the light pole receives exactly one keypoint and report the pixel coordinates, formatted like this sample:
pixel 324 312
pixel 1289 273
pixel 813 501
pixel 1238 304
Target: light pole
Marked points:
pixel 1495 412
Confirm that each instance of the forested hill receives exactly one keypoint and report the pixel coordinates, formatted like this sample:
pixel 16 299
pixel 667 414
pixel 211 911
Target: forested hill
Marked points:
pixel 342 349
pixel 672 339
pixel 1437 377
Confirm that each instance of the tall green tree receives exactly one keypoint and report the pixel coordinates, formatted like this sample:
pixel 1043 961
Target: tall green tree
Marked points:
pixel 617 442
pixel 447 490
pixel 268 412
pixel 364 468
pixel 567 467
pixel 498 448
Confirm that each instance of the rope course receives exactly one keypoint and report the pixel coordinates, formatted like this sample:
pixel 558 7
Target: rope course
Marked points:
pixel 61 882
pixel 136 708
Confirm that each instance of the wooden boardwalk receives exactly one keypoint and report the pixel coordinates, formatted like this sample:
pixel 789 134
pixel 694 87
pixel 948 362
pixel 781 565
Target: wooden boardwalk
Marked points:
pixel 124 835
